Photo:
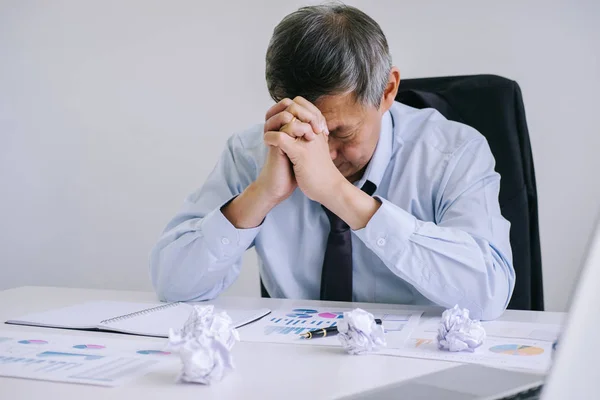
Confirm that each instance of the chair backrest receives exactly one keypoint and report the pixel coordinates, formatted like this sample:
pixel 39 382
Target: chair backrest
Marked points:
pixel 494 106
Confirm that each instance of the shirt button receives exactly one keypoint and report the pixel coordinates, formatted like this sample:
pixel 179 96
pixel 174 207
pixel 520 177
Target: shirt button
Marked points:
pixel 225 241
pixel 381 242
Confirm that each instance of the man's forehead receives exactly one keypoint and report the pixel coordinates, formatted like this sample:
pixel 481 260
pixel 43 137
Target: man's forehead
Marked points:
pixel 341 109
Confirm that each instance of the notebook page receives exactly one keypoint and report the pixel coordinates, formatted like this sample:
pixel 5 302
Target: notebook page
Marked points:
pixel 157 323
pixel 81 316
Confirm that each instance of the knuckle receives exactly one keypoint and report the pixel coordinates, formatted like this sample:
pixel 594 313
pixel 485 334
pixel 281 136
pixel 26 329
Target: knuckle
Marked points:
pixel 270 125
pixel 286 117
pixel 307 129
pixel 285 102
pixel 324 124
pixel 292 108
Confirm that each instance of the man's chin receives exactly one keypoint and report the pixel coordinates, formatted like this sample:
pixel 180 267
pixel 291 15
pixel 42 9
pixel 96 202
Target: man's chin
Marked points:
pixel 351 175
pixel 346 172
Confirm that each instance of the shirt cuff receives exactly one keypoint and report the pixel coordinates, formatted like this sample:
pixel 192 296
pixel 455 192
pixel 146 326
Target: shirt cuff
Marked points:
pixel 224 240
pixel 388 231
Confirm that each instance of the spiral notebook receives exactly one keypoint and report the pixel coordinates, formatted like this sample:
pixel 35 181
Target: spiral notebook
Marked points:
pixel 144 319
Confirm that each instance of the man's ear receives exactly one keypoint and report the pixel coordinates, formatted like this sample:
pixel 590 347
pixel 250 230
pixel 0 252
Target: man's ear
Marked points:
pixel 389 94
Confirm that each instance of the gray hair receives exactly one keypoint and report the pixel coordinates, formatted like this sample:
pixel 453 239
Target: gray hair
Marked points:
pixel 326 50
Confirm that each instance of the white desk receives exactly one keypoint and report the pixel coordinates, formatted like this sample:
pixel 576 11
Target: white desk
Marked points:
pixel 263 371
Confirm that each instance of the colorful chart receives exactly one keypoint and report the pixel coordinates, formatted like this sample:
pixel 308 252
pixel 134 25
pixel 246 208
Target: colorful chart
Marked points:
pixel 153 352
pixel 284 330
pixel 89 346
pixel 330 315
pixel 305 310
pixel 37 364
pixel 517 350
pixel 301 321
pixel 33 341
pixel 302 313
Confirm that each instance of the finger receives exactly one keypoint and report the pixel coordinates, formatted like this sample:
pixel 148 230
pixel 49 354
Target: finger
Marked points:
pixel 278 107
pixel 315 110
pixel 278 121
pixel 298 129
pixel 280 139
pixel 307 116
pixel 288 123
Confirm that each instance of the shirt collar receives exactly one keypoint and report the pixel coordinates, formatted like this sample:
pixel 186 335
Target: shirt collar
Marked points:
pixel 382 155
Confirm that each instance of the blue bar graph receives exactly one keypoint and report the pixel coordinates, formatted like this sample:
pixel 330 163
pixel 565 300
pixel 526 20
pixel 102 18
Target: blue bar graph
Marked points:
pixel 284 330
pixel 300 321
pixel 37 364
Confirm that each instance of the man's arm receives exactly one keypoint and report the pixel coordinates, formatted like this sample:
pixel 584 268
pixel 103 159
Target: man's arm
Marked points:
pixel 464 257
pixel 199 253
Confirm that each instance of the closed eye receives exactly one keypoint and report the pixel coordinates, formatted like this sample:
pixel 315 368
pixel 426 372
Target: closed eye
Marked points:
pixel 343 136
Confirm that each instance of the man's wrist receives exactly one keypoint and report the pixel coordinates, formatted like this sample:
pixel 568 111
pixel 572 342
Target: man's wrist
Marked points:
pixel 352 205
pixel 250 208
pixel 260 194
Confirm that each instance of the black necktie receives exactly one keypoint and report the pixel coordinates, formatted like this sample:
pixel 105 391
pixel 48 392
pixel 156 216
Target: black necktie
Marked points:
pixel 336 277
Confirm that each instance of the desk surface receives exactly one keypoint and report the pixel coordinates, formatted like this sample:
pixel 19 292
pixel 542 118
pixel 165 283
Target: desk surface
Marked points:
pixel 263 370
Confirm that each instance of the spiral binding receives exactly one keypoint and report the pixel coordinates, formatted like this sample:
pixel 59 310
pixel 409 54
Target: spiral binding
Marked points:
pixel 138 313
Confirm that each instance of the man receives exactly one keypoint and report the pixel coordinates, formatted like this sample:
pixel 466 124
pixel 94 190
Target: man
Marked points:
pixel 345 194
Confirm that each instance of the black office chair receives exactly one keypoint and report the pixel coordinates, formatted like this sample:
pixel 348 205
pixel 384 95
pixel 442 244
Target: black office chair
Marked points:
pixel 494 106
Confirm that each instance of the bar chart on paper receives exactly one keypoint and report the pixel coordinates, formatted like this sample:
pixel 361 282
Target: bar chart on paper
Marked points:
pixel 65 358
pixel 301 320
pixel 286 326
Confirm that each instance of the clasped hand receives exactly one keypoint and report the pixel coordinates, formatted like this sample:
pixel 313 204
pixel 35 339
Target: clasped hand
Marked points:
pixel 297 131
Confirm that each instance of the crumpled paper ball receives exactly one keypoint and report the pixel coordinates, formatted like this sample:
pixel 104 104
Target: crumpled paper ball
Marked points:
pixel 457 332
pixel 204 345
pixel 359 333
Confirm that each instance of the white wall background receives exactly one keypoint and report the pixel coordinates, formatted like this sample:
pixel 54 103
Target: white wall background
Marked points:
pixel 111 112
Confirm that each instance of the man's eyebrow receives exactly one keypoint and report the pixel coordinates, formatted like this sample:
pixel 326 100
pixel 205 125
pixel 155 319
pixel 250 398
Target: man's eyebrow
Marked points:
pixel 342 129
pixel 339 128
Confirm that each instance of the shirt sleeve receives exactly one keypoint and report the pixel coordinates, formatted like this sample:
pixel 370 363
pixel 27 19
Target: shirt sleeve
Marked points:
pixel 199 253
pixel 464 257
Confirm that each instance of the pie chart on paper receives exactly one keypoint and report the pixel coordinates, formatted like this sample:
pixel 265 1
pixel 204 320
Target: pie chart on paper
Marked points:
pixel 330 315
pixel 89 346
pixel 33 341
pixel 155 352
pixel 517 350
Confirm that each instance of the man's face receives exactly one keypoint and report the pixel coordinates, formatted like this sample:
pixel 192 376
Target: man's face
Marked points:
pixel 354 131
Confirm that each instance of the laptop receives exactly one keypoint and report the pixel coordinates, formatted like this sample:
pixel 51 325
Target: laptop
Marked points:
pixel 574 374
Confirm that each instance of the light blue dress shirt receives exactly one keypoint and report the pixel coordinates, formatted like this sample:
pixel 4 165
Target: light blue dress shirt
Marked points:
pixel 438 237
